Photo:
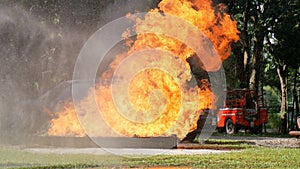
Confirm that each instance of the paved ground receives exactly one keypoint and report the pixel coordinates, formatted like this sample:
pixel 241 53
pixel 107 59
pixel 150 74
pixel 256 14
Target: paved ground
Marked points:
pixel 125 152
pixel 259 141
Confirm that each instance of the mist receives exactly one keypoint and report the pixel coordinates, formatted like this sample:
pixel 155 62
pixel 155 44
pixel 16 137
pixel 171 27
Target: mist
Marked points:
pixel 39 45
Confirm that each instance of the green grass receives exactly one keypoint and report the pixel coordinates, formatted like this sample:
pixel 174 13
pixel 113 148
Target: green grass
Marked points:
pixel 277 135
pixel 19 158
pixel 225 142
pixel 255 157
pixel 251 158
pixel 220 144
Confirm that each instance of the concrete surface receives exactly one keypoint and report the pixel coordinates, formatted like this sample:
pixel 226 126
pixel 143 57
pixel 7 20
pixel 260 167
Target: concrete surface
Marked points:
pixel 124 151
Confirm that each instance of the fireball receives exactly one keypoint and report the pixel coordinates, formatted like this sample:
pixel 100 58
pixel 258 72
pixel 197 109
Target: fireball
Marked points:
pixel 150 89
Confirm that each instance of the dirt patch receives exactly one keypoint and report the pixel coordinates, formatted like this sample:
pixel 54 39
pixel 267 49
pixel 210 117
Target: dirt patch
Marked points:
pixel 277 142
pixel 263 141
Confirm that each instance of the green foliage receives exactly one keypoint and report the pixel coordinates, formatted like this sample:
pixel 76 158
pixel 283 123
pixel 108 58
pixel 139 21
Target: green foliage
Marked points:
pixel 231 71
pixel 275 121
pixel 272 98
pixel 270 32
pixel 284 45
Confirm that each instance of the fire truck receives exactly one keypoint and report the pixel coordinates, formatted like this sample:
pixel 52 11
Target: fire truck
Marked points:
pixel 243 110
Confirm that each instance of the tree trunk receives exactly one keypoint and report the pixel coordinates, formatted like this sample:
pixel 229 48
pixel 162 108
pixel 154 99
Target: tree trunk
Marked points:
pixel 258 40
pixel 255 70
pixel 282 73
pixel 295 93
pixel 256 63
pixel 297 104
pixel 244 67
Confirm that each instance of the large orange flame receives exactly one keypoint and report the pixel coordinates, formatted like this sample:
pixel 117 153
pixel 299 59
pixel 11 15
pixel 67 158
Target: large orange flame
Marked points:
pixel 156 102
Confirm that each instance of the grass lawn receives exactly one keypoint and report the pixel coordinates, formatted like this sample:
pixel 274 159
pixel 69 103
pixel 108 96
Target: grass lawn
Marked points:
pixel 252 157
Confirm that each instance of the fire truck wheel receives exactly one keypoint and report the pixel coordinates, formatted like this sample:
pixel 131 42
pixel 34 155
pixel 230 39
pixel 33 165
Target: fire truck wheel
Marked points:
pixel 230 127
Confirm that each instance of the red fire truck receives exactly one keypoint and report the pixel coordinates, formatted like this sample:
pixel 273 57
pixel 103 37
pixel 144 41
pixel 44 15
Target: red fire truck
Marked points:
pixel 243 110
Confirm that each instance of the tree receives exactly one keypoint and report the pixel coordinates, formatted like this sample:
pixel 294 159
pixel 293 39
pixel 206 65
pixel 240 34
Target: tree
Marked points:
pixel 252 22
pixel 284 46
pixel 269 32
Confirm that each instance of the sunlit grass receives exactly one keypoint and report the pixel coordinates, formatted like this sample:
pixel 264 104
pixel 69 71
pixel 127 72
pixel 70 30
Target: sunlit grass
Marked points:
pixel 250 158
pixel 243 134
pixel 257 157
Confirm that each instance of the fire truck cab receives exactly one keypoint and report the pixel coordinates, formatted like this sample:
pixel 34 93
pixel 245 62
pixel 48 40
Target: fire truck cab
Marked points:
pixel 243 110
